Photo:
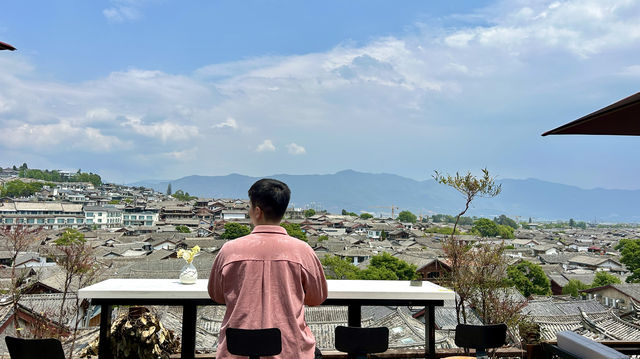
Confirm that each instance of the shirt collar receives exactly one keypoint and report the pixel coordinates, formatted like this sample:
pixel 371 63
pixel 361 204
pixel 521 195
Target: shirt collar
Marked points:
pixel 269 229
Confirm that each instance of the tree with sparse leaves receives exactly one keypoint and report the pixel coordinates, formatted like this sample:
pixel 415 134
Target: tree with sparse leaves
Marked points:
pixel 18 239
pixel 470 187
pixel 77 258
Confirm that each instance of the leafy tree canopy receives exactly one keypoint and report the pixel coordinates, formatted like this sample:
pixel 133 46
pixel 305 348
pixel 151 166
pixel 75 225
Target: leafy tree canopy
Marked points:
pixel 309 213
pixel 573 287
pixel 385 262
pixel 347 213
pixel 182 196
pixel 56 176
pixel 17 188
pixel 294 230
pixel 233 230
pixel 407 217
pixel 603 278
pixel 185 229
pixel 338 268
pixel 70 236
pixel 630 256
pixel 506 221
pixel 487 228
pixel 381 267
pixel 528 278
pixel 366 216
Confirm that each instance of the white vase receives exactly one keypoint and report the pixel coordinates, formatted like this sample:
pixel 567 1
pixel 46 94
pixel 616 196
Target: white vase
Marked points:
pixel 189 274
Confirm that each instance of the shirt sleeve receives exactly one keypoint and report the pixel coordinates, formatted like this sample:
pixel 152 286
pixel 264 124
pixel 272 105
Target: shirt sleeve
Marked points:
pixel 314 282
pixel 215 286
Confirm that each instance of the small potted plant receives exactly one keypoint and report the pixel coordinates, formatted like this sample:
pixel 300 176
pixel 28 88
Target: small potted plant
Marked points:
pixel 189 273
pixel 531 337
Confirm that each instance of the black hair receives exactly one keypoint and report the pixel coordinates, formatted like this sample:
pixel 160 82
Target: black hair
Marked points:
pixel 272 196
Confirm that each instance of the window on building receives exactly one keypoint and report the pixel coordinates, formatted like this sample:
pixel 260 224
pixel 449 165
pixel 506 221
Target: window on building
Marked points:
pixel 89 221
pixel 148 223
pixel 60 220
pixel 31 220
pixel 99 220
pixel 8 220
pixel 80 220
pixel 69 220
pixel 89 214
pixel 51 220
pixel 149 217
pixel 40 220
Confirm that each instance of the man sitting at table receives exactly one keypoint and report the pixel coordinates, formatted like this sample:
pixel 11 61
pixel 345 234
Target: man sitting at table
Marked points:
pixel 266 277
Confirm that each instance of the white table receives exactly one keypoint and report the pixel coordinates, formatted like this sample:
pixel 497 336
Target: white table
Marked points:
pixel 353 293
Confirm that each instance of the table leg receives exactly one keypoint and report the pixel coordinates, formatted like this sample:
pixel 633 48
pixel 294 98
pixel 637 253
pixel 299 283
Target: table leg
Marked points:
pixel 354 315
pixel 104 345
pixel 429 332
pixel 189 314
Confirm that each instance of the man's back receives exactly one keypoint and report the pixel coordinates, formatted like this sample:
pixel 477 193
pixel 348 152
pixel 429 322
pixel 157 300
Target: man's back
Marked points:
pixel 265 279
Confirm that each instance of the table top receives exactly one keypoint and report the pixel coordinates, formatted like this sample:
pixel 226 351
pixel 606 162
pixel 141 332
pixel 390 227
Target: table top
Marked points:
pixel 338 289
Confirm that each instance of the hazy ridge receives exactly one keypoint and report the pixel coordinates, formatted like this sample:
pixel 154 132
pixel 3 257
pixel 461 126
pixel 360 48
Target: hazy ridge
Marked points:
pixel 357 191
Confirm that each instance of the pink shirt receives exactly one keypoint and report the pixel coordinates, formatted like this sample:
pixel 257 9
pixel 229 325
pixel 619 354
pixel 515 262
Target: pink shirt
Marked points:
pixel 265 279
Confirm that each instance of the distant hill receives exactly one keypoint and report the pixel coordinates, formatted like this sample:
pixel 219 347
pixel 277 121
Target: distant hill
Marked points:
pixel 357 192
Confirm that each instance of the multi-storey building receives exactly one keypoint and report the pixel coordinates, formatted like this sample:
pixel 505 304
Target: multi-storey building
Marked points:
pixel 50 215
pixel 103 217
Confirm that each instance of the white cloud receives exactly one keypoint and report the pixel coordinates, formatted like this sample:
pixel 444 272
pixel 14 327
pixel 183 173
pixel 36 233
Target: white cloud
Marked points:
pixel 121 14
pixel 266 146
pixel 228 123
pixel 164 131
pixel 296 149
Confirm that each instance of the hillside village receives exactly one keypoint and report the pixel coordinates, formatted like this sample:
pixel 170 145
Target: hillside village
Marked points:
pixel 135 233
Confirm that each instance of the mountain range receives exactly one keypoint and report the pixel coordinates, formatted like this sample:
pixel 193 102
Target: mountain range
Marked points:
pixel 377 193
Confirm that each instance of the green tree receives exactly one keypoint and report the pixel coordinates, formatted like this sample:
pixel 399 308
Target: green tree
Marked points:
pixel 407 217
pixel 506 221
pixel 366 216
pixel 347 213
pixel 630 257
pixel 309 213
pixel 603 278
pixel 182 196
pixel 294 230
pixel 383 264
pixel 505 232
pixel 529 278
pixel 574 287
pixel 572 223
pixel 323 238
pixel 185 229
pixel 169 189
pixel 233 230
pixel 485 227
pixel 338 268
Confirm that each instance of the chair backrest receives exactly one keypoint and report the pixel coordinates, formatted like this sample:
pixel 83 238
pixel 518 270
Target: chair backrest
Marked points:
pixel 34 348
pixel 361 341
pixel 254 343
pixel 481 336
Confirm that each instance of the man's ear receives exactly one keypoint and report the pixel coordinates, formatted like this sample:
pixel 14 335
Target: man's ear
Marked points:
pixel 258 212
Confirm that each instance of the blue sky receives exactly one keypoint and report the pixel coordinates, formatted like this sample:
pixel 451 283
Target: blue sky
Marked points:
pixel 160 89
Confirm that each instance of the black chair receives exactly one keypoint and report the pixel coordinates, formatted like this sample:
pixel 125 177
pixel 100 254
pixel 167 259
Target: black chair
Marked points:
pixel 254 343
pixel 358 342
pixel 480 337
pixel 34 348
